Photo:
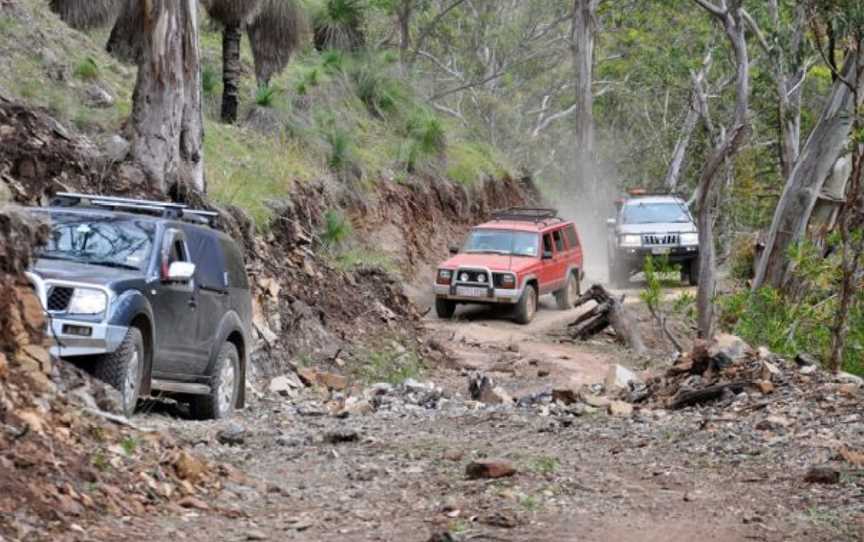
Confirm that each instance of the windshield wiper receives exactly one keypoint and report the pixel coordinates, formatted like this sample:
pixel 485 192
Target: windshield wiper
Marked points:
pixel 108 263
pixel 502 252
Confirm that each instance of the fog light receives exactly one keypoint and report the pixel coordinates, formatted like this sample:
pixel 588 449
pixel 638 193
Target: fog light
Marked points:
pixel 81 331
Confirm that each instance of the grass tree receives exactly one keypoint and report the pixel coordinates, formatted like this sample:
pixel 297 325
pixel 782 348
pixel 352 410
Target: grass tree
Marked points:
pixel 275 28
pixel 338 24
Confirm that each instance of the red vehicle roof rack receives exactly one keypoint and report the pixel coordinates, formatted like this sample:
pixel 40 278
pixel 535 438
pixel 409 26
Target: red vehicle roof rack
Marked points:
pixel 527 214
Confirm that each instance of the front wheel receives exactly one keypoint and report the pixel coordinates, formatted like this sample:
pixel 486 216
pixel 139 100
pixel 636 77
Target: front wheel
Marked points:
pixel 225 382
pixel 526 308
pixel 566 297
pixel 123 368
pixel 445 308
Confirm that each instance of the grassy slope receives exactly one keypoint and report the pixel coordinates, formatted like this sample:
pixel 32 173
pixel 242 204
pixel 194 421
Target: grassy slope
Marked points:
pixel 324 127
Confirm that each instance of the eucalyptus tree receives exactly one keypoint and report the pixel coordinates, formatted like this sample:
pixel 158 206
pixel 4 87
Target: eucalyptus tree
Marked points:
pixel 161 38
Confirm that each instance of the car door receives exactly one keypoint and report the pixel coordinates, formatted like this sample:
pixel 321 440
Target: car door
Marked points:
pixel 561 259
pixel 175 312
pixel 546 274
pixel 211 289
pixel 575 256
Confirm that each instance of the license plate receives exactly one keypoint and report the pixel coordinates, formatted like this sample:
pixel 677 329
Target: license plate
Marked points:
pixel 660 250
pixel 467 291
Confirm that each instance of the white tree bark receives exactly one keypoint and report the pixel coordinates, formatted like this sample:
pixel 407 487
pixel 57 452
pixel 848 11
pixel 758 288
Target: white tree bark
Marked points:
pixel 167 124
pixel 673 174
pixel 818 157
pixel 731 17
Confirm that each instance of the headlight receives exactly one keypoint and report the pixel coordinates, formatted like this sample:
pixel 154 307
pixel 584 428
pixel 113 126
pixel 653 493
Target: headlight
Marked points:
pixel 630 241
pixel 689 239
pixel 86 301
pixel 444 276
pixel 464 277
pixel 508 281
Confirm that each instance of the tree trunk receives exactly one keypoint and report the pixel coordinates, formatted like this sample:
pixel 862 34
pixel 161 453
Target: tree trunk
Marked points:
pixel 673 174
pixel 582 48
pixel 732 21
pixel 230 72
pixel 820 153
pixel 403 13
pixel 167 125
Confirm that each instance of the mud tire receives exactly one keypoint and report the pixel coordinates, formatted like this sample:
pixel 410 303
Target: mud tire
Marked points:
pixel 114 369
pixel 566 297
pixel 526 307
pixel 210 407
pixel 445 308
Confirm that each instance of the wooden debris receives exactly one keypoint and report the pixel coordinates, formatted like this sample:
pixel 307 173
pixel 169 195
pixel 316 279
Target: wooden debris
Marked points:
pixel 608 311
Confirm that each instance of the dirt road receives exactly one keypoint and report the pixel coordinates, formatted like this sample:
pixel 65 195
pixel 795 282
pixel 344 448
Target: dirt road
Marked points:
pixel 398 474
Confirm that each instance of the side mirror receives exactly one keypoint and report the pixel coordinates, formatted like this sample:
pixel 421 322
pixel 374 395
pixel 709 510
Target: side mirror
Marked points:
pixel 454 249
pixel 181 272
pixel 610 222
pixel 547 254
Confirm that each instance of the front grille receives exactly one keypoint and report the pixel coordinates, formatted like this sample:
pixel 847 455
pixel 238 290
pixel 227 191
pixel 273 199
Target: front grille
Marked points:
pixel 59 298
pixel 472 276
pixel 661 239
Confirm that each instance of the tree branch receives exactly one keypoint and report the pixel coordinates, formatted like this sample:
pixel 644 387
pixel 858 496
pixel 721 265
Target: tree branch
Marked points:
pixel 714 10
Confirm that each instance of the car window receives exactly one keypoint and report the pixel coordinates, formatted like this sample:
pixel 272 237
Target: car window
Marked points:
pixel 178 251
pixel 655 213
pixel 111 241
pixel 506 242
pixel 547 243
pixel 558 237
pixel 206 253
pixel 234 265
pixel 572 238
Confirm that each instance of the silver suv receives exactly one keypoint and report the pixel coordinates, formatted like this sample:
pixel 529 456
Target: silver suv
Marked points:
pixel 659 225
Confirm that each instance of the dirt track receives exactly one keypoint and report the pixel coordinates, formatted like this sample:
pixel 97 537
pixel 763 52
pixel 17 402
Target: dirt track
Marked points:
pixel 399 474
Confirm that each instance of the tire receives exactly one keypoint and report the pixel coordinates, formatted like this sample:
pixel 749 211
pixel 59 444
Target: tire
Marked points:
pixel 123 369
pixel 566 297
pixel 526 307
pixel 225 382
pixel 693 273
pixel 445 308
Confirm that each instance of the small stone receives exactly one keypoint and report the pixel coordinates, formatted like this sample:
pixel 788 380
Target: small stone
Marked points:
pixel 285 386
pixel 4 364
pixel 233 435
pixel 332 381
pixel 849 378
pixel 620 408
pixel 596 401
pixel 98 97
pixel 490 468
pixel 773 423
pixel 357 407
pixel 726 349
pixel 766 387
pixel 308 376
pixel 342 436
pixel 116 148
pixel 454 455
pixel 189 467
pixel 619 377
pixel 805 359
pixel 568 396
pixel 256 535
pixel 808 369
pixel 193 502
pixel 849 390
pixel 542 373
pixel 822 475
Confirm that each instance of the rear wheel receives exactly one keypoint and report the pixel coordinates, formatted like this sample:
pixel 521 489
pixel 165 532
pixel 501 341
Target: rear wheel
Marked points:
pixel 526 308
pixel 225 382
pixel 123 368
pixel 693 272
pixel 445 308
pixel 566 297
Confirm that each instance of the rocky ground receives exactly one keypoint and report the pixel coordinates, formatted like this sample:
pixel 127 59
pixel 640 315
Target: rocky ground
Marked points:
pixel 423 460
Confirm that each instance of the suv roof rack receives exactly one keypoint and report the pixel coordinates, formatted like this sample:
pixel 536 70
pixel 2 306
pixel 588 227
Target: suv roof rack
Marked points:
pixel 526 214
pixel 164 209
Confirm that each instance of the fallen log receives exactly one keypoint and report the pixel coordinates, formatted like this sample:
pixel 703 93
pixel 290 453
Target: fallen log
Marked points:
pixel 608 311
pixel 711 393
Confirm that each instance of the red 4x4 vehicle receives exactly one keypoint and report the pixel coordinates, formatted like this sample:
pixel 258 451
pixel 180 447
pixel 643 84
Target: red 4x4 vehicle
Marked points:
pixel 512 260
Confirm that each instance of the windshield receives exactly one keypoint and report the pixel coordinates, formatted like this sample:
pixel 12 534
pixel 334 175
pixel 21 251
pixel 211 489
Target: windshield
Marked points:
pixel 507 242
pixel 99 240
pixel 654 213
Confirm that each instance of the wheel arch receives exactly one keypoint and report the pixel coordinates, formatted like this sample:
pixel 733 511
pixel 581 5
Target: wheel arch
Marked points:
pixel 131 309
pixel 231 330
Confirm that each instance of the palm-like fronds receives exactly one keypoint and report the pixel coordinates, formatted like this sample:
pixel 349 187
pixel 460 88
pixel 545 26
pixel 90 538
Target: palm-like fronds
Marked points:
pixel 231 12
pixel 126 42
pixel 86 14
pixel 275 32
pixel 339 25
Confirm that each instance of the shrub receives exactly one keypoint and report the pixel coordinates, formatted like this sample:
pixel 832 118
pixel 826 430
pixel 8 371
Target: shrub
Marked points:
pixel 209 80
pixel 389 365
pixel 427 130
pixel 265 96
pixel 308 80
pixel 87 69
pixel 381 93
pixel 340 157
pixel 337 228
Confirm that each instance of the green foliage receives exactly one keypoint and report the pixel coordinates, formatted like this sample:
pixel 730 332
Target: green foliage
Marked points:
pixel 209 80
pixel 353 258
pixel 382 93
pixel 341 149
pixel 470 162
pixel 87 69
pixel 389 365
pixel 337 228
pixel 544 464
pixel 129 445
pixel 799 323
pixel 427 130
pixel 656 279
pixel 265 96
pixel 308 81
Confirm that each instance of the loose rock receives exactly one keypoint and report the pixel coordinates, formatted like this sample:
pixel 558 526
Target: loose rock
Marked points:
pixel 490 468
